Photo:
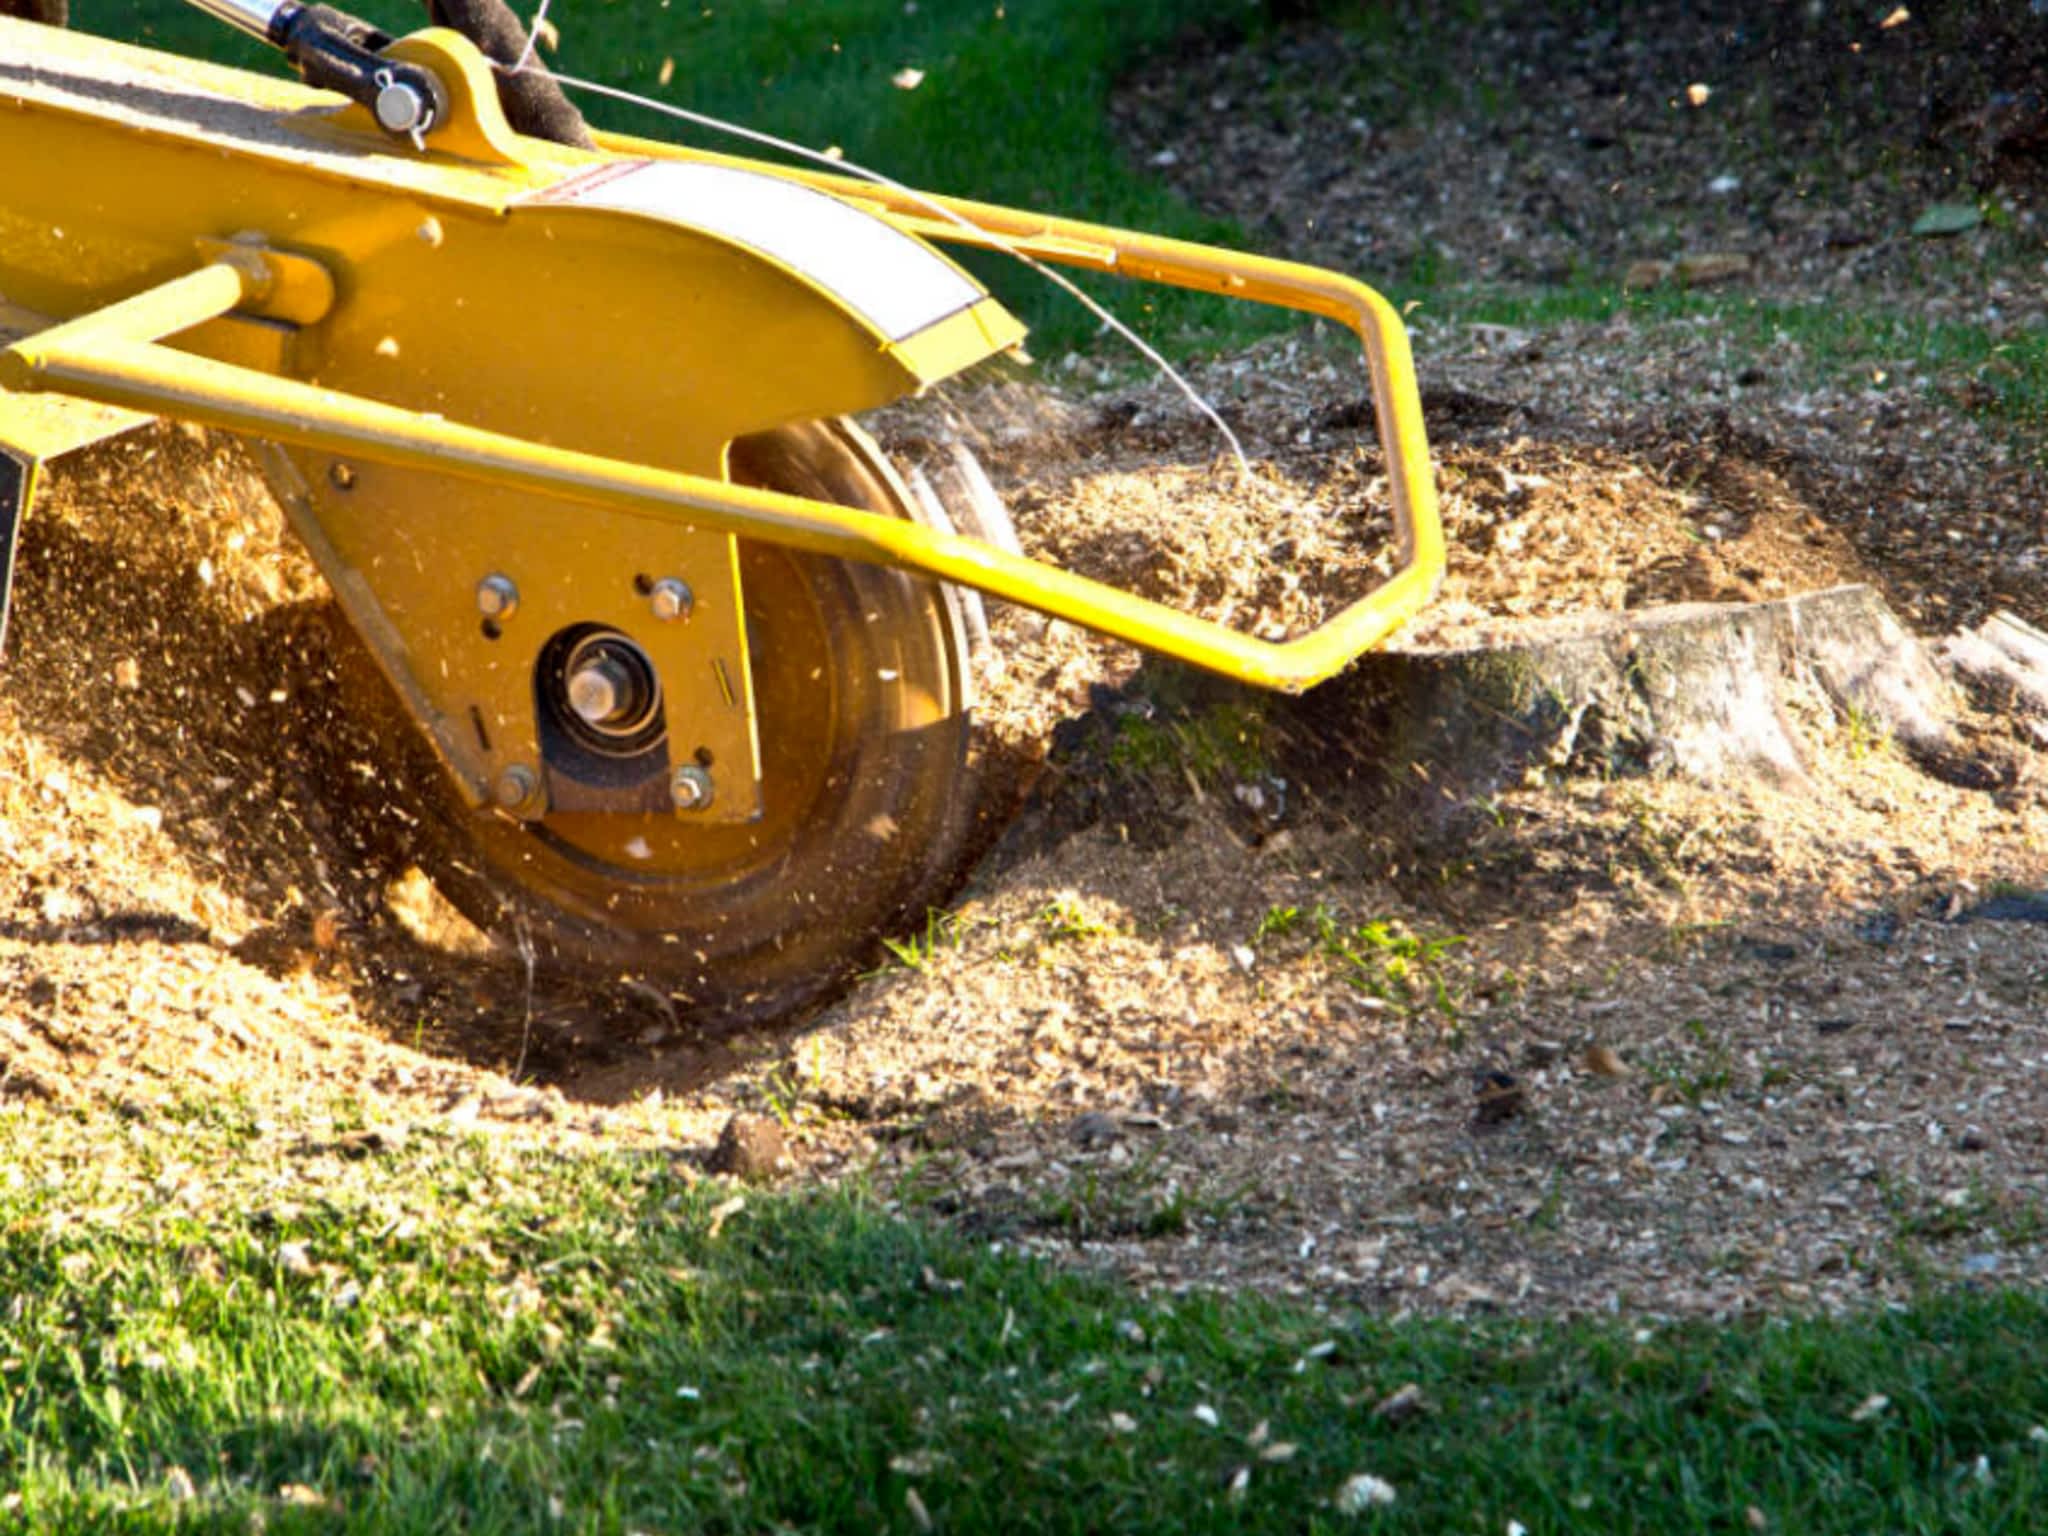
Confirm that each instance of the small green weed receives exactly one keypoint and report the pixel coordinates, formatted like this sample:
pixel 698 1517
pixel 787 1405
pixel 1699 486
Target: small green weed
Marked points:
pixel 1550 1212
pixel 1277 923
pixel 1136 1201
pixel 1066 921
pixel 1098 1205
pixel 1390 963
pixel 787 1090
pixel 1706 1073
pixel 1380 957
pixel 1681 940
pixel 1863 732
pixel 942 931
pixel 1974 1211
pixel 1663 846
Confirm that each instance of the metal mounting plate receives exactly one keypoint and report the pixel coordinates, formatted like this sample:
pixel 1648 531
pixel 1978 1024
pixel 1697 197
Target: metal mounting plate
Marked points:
pixel 412 548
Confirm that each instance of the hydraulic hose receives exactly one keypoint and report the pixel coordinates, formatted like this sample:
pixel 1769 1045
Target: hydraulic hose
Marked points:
pixel 337 52
pixel 534 104
pixel 51 13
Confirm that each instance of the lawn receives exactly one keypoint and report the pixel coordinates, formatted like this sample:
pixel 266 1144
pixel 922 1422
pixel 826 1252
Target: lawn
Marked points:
pixel 2003 378
pixel 207 1322
pixel 213 1323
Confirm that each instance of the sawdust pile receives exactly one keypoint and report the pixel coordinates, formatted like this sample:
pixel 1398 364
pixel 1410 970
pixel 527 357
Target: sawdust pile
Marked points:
pixel 1620 1042
pixel 1198 1034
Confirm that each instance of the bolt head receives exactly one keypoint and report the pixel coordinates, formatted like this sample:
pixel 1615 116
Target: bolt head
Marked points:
pixel 496 597
pixel 690 787
pixel 669 599
pixel 400 108
pixel 515 787
pixel 597 692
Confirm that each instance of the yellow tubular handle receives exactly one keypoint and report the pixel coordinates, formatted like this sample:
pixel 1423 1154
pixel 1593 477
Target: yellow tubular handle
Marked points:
pixel 1397 403
pixel 110 356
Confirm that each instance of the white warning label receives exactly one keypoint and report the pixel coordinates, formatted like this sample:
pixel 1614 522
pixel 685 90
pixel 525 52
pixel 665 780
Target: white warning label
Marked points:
pixel 898 284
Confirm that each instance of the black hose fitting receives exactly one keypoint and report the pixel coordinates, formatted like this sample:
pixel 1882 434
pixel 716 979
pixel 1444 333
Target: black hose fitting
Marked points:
pixel 336 52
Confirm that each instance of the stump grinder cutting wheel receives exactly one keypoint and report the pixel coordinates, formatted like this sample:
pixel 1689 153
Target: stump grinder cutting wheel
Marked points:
pixel 676 661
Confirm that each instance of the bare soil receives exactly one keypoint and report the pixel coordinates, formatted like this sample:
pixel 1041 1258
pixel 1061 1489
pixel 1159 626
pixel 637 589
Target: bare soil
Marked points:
pixel 1219 1006
pixel 1551 142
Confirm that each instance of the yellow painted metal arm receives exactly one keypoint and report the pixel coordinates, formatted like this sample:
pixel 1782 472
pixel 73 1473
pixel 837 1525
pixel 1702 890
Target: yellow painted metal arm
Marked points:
pixel 111 356
pixel 1132 254
pixel 1397 402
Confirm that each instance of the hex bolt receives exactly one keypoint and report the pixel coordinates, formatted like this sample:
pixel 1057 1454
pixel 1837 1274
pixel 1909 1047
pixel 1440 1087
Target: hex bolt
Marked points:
pixel 496 597
pixel 601 690
pixel 670 599
pixel 690 787
pixel 515 787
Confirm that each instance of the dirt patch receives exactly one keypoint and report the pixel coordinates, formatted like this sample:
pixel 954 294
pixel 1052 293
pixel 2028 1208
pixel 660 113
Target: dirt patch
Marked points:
pixel 1548 143
pixel 1539 524
pixel 1204 1016
pixel 1220 1009
pixel 201 888
pixel 1221 1017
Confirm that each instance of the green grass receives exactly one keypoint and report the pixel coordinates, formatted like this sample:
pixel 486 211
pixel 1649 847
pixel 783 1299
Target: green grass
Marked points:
pixel 459 1336
pixel 1012 108
pixel 1066 921
pixel 2002 377
pixel 1134 1201
pixel 915 951
pixel 1405 970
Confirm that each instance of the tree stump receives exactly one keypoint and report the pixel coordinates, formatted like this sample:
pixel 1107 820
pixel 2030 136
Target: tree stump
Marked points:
pixel 1420 737
pixel 1710 691
pixel 2005 660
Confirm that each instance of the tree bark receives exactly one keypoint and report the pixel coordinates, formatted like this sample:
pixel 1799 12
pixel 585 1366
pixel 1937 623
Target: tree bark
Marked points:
pixel 1710 691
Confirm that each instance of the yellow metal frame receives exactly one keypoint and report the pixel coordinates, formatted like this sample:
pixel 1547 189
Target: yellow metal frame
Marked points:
pixel 113 356
pixel 116 355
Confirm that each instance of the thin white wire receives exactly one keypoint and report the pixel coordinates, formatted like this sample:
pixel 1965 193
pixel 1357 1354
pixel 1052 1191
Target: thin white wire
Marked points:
pixel 533 36
pixel 1000 242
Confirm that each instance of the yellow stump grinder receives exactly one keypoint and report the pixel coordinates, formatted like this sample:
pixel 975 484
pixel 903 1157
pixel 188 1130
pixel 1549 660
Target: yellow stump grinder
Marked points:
pixel 567 422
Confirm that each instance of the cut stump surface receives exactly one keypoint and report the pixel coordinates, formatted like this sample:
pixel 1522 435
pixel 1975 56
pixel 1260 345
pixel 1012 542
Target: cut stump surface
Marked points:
pixel 1709 691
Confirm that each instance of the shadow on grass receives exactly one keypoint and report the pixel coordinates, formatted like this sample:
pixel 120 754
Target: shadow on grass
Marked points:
pixel 603 1343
